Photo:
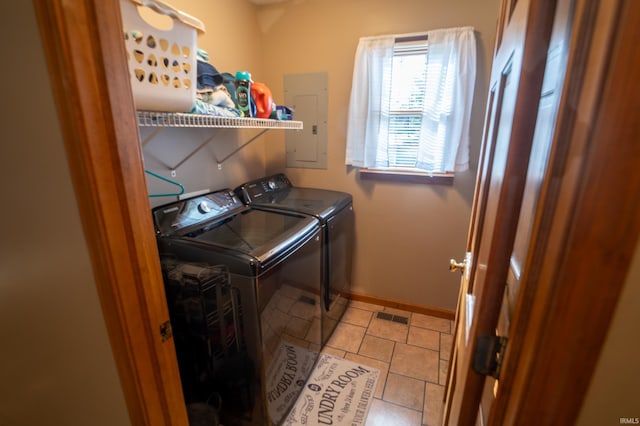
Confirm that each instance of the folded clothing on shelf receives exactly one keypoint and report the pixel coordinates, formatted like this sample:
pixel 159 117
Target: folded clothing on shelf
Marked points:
pixel 201 107
pixel 208 75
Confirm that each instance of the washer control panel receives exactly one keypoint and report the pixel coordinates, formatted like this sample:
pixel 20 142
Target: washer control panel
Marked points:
pixel 172 218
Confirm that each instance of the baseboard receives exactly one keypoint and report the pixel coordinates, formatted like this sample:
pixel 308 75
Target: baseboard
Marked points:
pixel 426 310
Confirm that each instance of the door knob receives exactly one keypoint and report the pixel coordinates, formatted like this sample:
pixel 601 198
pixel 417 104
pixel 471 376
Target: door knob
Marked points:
pixel 457 266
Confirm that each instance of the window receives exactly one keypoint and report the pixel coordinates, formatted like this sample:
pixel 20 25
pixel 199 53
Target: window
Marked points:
pixel 406 98
pixel 410 102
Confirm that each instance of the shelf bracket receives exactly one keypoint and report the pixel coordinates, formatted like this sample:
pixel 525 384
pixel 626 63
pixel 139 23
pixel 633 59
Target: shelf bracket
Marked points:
pixel 195 151
pixel 161 120
pixel 152 135
pixel 220 162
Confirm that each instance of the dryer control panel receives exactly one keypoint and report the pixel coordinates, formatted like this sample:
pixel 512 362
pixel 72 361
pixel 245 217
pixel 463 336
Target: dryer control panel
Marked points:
pixel 257 189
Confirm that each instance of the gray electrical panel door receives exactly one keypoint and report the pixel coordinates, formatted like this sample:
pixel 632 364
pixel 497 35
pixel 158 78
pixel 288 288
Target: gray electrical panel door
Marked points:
pixel 307 95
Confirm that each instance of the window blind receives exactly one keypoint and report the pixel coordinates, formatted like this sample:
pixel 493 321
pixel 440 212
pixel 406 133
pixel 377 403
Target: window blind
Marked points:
pixel 408 88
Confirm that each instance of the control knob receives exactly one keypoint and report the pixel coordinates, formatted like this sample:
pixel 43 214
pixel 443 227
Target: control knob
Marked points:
pixel 203 207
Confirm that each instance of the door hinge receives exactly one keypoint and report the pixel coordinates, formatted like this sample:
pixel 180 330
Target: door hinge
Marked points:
pixel 489 354
pixel 165 331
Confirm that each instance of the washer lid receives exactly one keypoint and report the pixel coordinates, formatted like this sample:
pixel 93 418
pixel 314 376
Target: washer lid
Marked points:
pixel 259 234
pixel 218 221
pixel 321 203
pixel 277 192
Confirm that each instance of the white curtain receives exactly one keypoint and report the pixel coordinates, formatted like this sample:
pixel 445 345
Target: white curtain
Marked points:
pixel 451 69
pixel 371 69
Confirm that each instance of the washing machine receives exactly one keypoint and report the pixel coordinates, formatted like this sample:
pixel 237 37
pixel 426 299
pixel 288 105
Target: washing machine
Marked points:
pixel 274 262
pixel 334 210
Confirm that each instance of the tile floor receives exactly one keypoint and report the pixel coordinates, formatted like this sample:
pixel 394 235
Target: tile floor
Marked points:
pixel 412 358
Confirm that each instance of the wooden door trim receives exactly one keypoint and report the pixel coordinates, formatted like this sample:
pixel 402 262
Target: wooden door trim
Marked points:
pixel 574 78
pixel 498 245
pixel 587 227
pixel 82 40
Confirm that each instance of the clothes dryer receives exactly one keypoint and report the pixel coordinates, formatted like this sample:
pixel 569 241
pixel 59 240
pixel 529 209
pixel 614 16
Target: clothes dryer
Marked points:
pixel 334 210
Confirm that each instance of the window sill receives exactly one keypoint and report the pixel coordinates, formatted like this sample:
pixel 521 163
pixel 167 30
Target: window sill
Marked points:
pixel 407 176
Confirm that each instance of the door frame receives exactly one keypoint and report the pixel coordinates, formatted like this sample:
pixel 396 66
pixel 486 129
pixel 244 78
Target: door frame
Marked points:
pixel 89 77
pixel 520 60
pixel 586 225
pixel 82 41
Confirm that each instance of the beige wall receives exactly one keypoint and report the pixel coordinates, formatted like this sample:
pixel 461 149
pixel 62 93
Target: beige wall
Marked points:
pixel 232 40
pixel 406 233
pixel 613 392
pixel 56 365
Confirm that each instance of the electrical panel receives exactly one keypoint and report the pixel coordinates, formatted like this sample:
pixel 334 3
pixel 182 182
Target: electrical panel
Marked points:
pixel 307 95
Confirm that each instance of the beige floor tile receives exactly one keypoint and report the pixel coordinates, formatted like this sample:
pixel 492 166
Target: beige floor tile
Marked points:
pixel 375 347
pixel 446 341
pixel 303 310
pixel 298 327
pixel 416 362
pixel 382 366
pixel 276 320
pixel 442 373
pixel 329 323
pixel 424 338
pixel 347 337
pixel 315 346
pixel 364 305
pixel 314 332
pixel 285 303
pixel 412 358
pixel 405 391
pixel 290 291
pixel 433 405
pixel 395 311
pixel 357 316
pixel 432 323
pixel 295 341
pixel 383 413
pixel 333 351
pixel 388 330
pixel 339 306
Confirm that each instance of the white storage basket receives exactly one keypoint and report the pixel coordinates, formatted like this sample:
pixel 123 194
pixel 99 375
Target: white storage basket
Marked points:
pixel 162 62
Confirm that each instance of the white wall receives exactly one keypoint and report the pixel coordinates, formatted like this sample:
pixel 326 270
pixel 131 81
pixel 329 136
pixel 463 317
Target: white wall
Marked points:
pixel 56 364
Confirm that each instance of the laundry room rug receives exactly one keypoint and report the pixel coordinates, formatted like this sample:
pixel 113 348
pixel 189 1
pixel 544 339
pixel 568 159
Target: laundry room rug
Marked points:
pixel 339 393
pixel 286 375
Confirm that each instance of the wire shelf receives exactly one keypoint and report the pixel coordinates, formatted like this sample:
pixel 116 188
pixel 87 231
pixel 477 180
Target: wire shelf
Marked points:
pixel 175 119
